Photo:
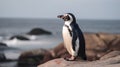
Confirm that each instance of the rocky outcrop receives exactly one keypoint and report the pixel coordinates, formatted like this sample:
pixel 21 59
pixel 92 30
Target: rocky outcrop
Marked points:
pixel 3 48
pixel 38 31
pixel 111 62
pixel 3 44
pixel 34 57
pixel 2 57
pixel 99 46
pixel 59 51
pixel 19 37
pixel 110 55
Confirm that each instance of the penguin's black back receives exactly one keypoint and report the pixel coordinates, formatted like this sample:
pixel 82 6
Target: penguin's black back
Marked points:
pixel 79 34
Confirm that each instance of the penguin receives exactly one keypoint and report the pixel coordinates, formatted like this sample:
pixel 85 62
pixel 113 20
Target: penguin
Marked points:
pixel 73 37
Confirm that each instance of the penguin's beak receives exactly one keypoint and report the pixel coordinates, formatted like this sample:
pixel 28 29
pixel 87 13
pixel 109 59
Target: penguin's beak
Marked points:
pixel 65 17
pixel 60 16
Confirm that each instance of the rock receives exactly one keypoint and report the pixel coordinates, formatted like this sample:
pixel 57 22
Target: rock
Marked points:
pixel 111 40
pixel 99 48
pixel 115 44
pixel 110 55
pixel 38 31
pixel 60 62
pixel 112 62
pixel 97 45
pixel 59 51
pixel 19 37
pixel 4 47
pixel 3 44
pixel 34 57
pixel 94 46
pixel 2 57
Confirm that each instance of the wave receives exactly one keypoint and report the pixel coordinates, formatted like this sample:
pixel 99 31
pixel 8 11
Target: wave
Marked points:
pixel 32 44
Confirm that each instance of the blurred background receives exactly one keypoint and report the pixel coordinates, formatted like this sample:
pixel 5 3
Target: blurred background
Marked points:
pixel 83 9
pixel 21 23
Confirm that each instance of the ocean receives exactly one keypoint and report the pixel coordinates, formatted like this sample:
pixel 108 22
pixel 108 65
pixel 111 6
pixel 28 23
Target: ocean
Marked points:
pixel 10 27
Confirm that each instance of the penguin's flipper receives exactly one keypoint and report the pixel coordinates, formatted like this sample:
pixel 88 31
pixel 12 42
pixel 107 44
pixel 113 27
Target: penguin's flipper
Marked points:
pixel 74 38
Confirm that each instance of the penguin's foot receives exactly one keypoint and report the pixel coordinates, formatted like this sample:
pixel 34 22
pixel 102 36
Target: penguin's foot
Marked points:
pixel 72 58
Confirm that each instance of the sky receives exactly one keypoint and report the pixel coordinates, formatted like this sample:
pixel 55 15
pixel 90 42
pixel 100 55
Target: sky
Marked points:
pixel 82 9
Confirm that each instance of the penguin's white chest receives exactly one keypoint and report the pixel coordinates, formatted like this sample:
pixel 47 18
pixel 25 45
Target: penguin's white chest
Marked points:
pixel 67 39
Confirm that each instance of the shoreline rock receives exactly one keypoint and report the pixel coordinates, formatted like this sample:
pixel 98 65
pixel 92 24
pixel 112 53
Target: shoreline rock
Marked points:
pixel 3 44
pixel 2 57
pixel 99 46
pixel 60 62
pixel 34 57
pixel 19 37
pixel 39 31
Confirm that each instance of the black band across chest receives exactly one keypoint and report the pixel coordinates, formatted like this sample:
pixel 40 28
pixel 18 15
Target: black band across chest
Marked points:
pixel 69 30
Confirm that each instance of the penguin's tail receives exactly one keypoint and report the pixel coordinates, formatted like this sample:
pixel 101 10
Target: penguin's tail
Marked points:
pixel 82 54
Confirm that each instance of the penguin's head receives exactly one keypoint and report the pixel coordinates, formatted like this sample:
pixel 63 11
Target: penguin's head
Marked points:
pixel 67 17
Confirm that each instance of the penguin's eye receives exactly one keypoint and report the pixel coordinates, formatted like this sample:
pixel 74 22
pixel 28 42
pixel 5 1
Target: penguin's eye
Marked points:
pixel 66 18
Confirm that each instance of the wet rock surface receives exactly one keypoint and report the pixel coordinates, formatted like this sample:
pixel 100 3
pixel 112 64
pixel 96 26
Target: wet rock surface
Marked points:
pixel 39 31
pixel 2 57
pixel 19 37
pixel 3 44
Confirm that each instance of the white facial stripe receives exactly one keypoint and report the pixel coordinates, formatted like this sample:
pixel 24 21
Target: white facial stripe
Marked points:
pixel 65 14
pixel 71 19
